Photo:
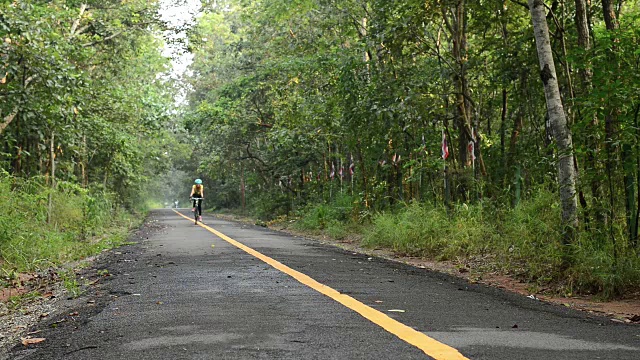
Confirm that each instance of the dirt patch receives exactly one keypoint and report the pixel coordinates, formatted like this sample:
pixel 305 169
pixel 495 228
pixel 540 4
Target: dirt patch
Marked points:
pixel 7 293
pixel 24 283
pixel 626 310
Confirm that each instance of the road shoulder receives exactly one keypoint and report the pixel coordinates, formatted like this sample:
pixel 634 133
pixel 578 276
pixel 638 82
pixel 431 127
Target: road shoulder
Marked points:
pixel 56 309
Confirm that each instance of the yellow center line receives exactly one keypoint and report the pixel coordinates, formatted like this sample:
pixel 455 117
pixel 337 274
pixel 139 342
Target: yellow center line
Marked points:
pixel 429 346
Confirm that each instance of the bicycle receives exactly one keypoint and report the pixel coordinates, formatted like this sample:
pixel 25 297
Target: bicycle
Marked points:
pixel 197 214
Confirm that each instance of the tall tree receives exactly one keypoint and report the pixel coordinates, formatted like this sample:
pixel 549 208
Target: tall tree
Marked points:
pixel 557 118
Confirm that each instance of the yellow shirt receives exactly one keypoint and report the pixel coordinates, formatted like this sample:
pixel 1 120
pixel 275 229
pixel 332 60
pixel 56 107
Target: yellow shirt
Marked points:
pixel 197 190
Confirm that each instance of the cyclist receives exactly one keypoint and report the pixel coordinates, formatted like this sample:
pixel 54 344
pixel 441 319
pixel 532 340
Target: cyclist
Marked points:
pixel 197 192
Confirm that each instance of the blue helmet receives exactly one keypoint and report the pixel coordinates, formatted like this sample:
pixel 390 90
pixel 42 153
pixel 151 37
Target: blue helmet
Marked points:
pixel 198 181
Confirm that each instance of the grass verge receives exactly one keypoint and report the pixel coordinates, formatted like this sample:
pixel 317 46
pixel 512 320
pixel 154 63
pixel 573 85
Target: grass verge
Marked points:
pixel 81 223
pixel 522 242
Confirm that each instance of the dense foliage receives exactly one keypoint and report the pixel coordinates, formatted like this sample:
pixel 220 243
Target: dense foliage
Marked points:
pixel 303 103
pixel 84 122
pixel 80 91
pixel 83 222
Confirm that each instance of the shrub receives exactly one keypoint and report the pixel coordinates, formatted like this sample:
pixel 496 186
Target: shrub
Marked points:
pixel 29 242
pixel 524 241
pixel 424 230
pixel 530 242
pixel 322 216
pixel 268 207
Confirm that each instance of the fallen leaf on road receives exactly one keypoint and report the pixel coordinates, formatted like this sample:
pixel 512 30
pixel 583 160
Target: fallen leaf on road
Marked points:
pixel 379 301
pixel 396 310
pixel 27 342
pixel 212 246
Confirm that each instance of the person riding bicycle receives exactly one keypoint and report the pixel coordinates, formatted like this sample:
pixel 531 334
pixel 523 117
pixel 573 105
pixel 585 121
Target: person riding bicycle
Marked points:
pixel 197 192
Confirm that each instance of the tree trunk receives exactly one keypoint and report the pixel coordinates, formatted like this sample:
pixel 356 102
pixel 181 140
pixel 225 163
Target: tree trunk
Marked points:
pixel 582 24
pixel 505 94
pixel 363 170
pixel 52 159
pixel 515 135
pixel 611 123
pixel 586 76
pixel 8 119
pixel 558 120
pixel 612 128
pixel 609 12
pixel 457 25
pixel 634 241
pixel 242 187
pixel 17 163
pixel 459 33
pixel 85 163
pixel 629 191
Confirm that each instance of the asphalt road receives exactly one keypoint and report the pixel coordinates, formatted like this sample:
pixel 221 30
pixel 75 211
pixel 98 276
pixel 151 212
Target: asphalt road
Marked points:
pixel 184 292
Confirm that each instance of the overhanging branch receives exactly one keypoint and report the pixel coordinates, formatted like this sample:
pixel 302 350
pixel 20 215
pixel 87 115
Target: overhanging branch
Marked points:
pixel 8 119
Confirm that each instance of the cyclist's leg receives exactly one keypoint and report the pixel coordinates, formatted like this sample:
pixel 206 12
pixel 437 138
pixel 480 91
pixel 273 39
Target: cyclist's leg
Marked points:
pixel 200 207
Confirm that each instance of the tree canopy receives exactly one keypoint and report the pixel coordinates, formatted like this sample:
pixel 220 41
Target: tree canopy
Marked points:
pixel 82 89
pixel 285 94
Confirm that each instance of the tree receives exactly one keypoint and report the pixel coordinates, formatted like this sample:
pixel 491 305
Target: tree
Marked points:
pixel 80 90
pixel 557 118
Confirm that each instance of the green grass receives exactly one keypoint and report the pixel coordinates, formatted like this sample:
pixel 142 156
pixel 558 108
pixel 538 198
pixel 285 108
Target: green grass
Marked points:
pixel 331 217
pixel 420 230
pixel 82 223
pixel 70 282
pixel 523 242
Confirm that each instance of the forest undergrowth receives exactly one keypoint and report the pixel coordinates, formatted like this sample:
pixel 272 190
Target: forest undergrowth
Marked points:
pixel 82 223
pixel 522 242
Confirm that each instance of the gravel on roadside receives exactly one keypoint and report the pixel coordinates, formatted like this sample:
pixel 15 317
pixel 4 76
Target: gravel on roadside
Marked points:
pixel 15 323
